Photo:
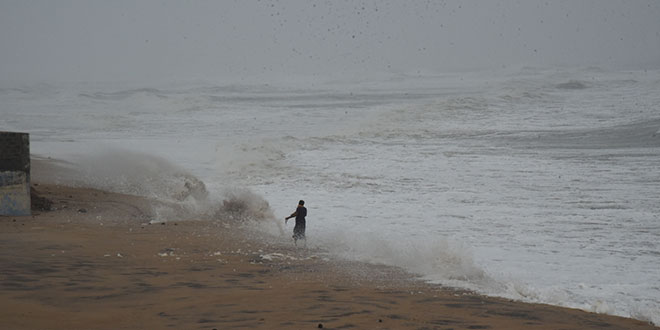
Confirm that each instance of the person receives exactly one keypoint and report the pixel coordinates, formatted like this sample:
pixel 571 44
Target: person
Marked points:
pixel 299 229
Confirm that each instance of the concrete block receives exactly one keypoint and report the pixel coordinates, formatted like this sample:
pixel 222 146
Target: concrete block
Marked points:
pixel 14 173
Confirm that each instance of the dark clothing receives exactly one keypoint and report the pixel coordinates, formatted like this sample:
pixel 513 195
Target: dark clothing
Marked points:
pixel 299 229
pixel 301 213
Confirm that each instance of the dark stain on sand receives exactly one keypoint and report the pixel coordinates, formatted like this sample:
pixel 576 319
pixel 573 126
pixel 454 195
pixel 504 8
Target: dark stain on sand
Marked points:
pixel 514 314
pixel 191 285
pixel 147 271
pixel 19 283
pixel 347 314
pixel 245 275
pixel 445 322
pixel 396 317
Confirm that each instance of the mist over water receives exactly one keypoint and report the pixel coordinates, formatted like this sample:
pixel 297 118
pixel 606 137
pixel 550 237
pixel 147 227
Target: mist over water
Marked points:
pixel 508 147
pixel 262 40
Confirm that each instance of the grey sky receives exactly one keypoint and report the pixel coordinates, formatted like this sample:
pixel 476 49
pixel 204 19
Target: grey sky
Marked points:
pixel 170 40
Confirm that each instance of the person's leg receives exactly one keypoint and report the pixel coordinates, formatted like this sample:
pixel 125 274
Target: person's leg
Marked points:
pixel 302 234
pixel 299 232
pixel 296 233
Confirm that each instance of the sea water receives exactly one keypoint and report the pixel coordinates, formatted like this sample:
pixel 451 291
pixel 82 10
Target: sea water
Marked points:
pixel 539 185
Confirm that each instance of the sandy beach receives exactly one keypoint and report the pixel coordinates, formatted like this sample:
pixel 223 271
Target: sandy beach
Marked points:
pixel 95 262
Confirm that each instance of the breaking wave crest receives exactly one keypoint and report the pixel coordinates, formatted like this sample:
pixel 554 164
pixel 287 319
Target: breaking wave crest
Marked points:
pixel 175 193
pixel 242 204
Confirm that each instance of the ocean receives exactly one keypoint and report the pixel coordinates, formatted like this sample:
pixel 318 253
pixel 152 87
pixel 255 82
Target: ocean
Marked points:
pixel 534 184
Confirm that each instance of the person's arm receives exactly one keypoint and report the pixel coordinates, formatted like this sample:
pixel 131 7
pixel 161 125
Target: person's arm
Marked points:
pixel 291 216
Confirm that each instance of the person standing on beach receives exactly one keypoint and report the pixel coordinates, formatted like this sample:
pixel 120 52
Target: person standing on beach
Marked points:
pixel 299 229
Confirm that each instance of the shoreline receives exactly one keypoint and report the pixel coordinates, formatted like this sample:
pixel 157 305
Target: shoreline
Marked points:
pixel 95 262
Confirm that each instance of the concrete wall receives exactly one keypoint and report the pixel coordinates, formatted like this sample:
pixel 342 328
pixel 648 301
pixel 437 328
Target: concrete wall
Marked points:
pixel 14 173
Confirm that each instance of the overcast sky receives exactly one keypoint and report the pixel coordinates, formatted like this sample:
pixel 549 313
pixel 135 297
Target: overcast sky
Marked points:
pixel 169 40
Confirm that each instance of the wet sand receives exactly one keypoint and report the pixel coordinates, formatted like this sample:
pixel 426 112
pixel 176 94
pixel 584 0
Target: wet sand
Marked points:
pixel 96 263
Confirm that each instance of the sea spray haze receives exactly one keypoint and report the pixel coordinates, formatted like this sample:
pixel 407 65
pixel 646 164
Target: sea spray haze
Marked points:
pixel 175 193
pixel 510 147
pixel 170 40
pixel 534 184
